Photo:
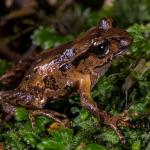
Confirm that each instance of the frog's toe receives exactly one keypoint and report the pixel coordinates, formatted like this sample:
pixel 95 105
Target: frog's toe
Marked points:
pixel 66 123
pixel 32 119
pixel 57 126
pixel 2 96
pixel 115 121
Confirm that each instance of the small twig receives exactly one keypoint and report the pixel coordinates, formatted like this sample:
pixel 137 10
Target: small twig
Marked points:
pixel 130 81
pixel 30 51
pixel 9 54
pixel 141 68
pixel 24 12
pixel 65 4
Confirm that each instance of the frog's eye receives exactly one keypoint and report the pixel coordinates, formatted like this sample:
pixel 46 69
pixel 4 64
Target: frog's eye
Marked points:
pixel 100 48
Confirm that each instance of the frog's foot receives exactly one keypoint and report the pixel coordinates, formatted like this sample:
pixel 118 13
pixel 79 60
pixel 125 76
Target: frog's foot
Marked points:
pixel 9 110
pixel 120 120
pixel 57 117
pixel 4 118
pixel 7 107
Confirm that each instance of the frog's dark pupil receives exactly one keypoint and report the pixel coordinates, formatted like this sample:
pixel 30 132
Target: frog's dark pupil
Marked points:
pixel 101 48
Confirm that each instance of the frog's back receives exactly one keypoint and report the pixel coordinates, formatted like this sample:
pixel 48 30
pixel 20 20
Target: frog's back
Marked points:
pixel 46 63
pixel 50 63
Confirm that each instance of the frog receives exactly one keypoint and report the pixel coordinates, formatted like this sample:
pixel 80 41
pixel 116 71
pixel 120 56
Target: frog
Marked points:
pixel 66 70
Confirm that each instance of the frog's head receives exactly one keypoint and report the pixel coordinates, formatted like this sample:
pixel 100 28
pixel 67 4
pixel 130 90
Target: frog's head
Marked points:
pixel 107 41
pixel 101 45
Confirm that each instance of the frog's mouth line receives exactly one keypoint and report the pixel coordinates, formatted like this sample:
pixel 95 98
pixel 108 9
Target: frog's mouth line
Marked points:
pixel 121 53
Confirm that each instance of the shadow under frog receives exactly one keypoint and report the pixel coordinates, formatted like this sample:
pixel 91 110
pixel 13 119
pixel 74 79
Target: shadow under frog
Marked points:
pixel 78 65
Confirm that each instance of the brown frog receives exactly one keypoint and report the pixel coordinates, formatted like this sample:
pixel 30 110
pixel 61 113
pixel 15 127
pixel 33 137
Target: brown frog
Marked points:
pixel 77 65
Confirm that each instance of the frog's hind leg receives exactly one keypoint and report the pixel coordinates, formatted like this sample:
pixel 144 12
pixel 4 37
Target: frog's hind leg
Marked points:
pixel 9 100
pixel 15 74
pixel 6 106
pixel 55 116
pixel 8 109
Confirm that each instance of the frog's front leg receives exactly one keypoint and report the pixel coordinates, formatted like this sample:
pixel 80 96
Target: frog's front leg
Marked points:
pixel 88 103
pixel 10 100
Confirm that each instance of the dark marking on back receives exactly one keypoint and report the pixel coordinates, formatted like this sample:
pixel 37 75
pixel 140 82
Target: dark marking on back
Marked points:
pixel 50 82
pixel 65 67
pixel 67 55
pixel 77 60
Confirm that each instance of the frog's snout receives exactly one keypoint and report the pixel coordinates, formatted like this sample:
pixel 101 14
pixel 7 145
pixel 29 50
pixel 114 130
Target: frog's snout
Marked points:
pixel 125 42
